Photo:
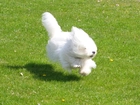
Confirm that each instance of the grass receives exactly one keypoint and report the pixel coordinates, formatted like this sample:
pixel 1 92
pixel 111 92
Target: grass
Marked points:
pixel 27 77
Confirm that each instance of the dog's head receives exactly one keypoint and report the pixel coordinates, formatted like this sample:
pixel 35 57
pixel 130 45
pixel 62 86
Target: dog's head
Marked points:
pixel 82 45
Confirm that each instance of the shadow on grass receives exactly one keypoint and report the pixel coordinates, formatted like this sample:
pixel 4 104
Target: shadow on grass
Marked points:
pixel 46 72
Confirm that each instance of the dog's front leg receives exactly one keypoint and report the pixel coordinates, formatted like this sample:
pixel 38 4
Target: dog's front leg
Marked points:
pixel 86 67
pixel 75 62
pixel 69 62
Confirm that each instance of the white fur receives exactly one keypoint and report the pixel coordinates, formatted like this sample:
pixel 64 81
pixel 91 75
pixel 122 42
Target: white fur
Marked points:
pixel 73 49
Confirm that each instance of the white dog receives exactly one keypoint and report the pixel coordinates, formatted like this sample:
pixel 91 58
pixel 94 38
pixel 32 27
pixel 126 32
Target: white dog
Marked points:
pixel 73 49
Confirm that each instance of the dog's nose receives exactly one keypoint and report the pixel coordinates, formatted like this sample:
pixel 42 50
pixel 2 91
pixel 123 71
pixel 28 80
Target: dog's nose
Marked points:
pixel 93 52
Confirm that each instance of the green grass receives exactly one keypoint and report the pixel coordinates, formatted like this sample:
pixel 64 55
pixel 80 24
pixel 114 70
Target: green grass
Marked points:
pixel 113 24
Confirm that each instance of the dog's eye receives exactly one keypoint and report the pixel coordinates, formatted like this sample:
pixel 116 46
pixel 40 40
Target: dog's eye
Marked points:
pixel 82 48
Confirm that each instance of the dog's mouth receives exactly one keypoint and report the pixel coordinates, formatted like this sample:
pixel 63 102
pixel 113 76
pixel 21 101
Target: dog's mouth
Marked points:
pixel 78 58
pixel 91 56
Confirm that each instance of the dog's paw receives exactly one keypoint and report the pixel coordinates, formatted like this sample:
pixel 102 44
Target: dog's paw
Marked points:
pixel 85 72
pixel 76 66
pixel 93 65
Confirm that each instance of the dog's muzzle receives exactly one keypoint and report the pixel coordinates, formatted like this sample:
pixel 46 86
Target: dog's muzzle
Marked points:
pixel 93 53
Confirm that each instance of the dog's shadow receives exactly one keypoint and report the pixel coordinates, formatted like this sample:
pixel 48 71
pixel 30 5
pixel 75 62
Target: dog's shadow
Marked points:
pixel 46 72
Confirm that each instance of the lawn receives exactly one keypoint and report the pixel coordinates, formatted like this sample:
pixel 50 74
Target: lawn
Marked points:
pixel 28 77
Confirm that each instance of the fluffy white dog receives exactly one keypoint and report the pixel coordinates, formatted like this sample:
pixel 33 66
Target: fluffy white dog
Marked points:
pixel 73 49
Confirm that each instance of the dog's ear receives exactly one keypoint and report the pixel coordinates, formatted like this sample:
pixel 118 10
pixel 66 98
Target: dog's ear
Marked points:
pixel 77 32
pixel 74 30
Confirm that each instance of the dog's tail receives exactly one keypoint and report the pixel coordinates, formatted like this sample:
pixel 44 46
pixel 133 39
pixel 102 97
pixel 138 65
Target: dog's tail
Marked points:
pixel 50 24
